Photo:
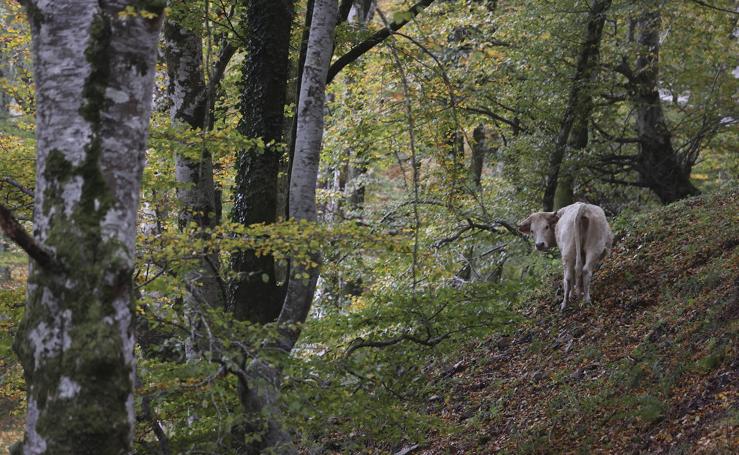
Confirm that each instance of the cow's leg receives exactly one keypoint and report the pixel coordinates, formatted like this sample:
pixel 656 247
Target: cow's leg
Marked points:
pixel 577 288
pixel 568 275
pixel 587 275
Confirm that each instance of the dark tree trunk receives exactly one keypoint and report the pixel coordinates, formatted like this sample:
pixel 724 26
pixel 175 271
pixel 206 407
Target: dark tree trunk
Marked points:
pixel 355 184
pixel 659 167
pixel 479 149
pixel 579 104
pixel 578 140
pixel 260 385
pixel 75 341
pixel 255 295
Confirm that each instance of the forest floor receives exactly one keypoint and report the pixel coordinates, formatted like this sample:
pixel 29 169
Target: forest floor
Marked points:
pixel 652 366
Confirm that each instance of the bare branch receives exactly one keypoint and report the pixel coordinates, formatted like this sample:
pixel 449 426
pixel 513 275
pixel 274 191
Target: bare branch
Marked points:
pixel 490 227
pixel 378 37
pixel 714 7
pixel 494 116
pixel 616 139
pixel 15 232
pixel 23 189
pixel 219 69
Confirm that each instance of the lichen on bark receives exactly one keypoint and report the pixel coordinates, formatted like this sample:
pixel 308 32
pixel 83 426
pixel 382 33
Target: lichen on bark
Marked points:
pixel 75 341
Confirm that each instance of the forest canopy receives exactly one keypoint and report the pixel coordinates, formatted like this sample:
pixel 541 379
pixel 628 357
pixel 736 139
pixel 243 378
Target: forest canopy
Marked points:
pixel 257 225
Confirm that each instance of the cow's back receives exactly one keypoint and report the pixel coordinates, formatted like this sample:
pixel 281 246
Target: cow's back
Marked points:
pixel 595 234
pixel 565 230
pixel 597 237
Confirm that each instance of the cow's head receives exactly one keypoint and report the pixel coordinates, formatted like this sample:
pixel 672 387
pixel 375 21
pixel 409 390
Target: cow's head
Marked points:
pixel 541 224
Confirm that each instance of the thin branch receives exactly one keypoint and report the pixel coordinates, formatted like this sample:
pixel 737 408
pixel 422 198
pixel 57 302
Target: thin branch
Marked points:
pixel 491 227
pixel 494 116
pixel 368 44
pixel 714 7
pixel 623 69
pixel 414 161
pixel 23 189
pixel 360 343
pixel 616 139
pixel 15 232
pixel 444 77
pixel 148 415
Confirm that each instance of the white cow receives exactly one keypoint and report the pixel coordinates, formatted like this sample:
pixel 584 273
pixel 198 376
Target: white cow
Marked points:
pixel 583 236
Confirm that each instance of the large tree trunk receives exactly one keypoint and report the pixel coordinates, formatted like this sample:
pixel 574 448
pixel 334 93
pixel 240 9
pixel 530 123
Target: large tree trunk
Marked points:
pixel 579 104
pixel 94 72
pixel 194 174
pixel 255 295
pixel 658 165
pixel 261 385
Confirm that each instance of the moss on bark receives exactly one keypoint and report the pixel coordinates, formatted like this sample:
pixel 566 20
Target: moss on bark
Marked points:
pixel 70 341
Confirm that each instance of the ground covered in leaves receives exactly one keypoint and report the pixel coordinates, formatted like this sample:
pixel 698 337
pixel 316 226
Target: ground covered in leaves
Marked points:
pixel 652 366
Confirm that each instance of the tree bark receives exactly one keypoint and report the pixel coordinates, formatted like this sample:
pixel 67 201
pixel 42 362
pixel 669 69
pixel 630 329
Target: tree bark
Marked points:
pixel 355 187
pixel 261 383
pixel 255 295
pixel 579 104
pixel 477 161
pixel 658 165
pixel 196 192
pixel 305 165
pixel 94 72
pixel 564 195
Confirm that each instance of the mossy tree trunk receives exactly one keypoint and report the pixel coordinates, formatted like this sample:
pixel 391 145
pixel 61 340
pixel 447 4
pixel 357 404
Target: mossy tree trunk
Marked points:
pixel 579 106
pixel 196 193
pixel 255 295
pixel 94 72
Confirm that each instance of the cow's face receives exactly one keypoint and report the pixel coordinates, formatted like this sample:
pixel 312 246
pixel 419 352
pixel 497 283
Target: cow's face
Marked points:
pixel 541 226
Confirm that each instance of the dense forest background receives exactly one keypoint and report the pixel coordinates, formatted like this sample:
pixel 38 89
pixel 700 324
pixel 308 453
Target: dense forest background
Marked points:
pixel 328 205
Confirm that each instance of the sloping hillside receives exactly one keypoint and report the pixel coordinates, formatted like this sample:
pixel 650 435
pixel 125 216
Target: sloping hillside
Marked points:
pixel 651 366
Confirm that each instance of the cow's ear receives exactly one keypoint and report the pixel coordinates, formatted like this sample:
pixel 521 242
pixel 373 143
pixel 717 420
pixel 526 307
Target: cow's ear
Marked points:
pixel 525 226
pixel 553 218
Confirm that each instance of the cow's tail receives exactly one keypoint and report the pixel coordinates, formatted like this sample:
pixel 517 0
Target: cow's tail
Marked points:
pixel 579 248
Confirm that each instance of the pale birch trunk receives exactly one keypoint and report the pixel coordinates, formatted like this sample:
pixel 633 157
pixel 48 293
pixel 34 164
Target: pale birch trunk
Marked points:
pixel 94 71
pixel 305 163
